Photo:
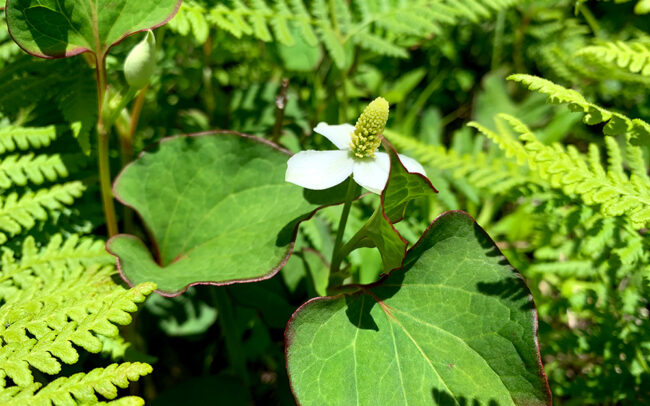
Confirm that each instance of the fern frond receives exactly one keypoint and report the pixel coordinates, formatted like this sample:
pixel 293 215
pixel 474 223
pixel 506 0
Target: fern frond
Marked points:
pixel 493 175
pixel 567 169
pixel 379 45
pixel 191 17
pixel 67 255
pixel 632 56
pixel 20 213
pixel 58 307
pixel 280 23
pixel 80 388
pixel 21 169
pixel 73 102
pixel 637 131
pixel 303 20
pixel 12 138
pixel 575 268
pixel 381 27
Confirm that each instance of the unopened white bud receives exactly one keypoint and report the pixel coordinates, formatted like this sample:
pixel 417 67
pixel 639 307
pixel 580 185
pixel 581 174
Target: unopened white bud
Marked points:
pixel 139 65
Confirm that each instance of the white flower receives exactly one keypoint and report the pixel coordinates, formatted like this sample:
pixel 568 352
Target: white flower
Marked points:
pixel 323 169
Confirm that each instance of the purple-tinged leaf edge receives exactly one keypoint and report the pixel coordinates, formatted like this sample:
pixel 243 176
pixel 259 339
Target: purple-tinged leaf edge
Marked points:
pixel 81 50
pixel 364 289
pixel 154 246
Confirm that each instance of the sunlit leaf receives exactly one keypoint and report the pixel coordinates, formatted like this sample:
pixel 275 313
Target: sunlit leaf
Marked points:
pixel 217 208
pixel 456 325
pixel 61 28
pixel 401 188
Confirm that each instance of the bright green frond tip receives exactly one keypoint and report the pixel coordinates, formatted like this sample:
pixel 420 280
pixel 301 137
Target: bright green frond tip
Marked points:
pixel 636 131
pixel 58 299
pixel 366 137
pixel 81 388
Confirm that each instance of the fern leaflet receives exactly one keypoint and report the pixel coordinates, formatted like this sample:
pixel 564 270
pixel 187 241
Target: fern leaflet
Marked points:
pixel 80 388
pixel 567 169
pixel 59 302
pixel 20 213
pixel 12 138
pixel 632 56
pixel 21 169
pixel 637 131
pixel 381 27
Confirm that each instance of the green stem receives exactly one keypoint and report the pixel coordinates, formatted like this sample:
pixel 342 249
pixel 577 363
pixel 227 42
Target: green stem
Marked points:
pixel 280 105
pixel 230 332
pixel 497 44
pixel 353 244
pixel 336 257
pixel 102 152
pixel 343 112
pixel 486 213
pixel 335 21
pixel 590 19
pixel 418 106
pixel 126 99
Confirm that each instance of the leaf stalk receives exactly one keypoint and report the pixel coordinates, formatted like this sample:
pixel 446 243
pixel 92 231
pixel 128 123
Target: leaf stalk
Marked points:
pixel 337 258
pixel 102 151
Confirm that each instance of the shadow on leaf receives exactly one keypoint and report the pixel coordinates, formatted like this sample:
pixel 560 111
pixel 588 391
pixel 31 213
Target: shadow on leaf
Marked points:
pixel 48 45
pixel 512 289
pixel 359 305
pixel 443 398
pixel 327 197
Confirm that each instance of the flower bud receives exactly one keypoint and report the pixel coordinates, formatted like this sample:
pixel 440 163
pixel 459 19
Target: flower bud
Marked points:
pixel 366 137
pixel 139 65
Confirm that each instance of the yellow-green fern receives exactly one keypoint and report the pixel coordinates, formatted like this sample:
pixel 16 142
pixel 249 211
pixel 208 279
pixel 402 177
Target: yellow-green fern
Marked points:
pixel 637 131
pixel 616 192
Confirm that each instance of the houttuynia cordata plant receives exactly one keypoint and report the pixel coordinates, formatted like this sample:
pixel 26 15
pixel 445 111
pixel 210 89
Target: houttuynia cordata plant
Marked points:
pixel 324 202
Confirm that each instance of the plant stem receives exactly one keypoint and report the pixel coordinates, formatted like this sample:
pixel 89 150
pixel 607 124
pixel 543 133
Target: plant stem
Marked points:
pixel 336 257
pixel 207 75
pixel 280 105
pixel 230 331
pixel 126 149
pixel 590 19
pixel 123 102
pixel 497 44
pixel 102 151
pixel 344 103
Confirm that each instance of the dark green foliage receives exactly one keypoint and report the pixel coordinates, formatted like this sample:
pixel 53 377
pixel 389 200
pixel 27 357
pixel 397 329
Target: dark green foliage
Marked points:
pixel 555 169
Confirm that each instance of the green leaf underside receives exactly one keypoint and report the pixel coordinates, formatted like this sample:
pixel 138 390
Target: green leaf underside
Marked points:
pixel 457 324
pixel 401 188
pixel 217 208
pixel 60 28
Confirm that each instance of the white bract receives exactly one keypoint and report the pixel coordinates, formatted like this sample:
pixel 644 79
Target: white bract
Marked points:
pixel 323 169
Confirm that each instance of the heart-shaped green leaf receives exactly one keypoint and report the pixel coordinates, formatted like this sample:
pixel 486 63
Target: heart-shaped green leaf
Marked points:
pixel 402 187
pixel 217 208
pixel 61 28
pixel 457 324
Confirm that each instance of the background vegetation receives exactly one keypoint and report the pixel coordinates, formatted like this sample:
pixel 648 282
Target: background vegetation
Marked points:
pixel 558 176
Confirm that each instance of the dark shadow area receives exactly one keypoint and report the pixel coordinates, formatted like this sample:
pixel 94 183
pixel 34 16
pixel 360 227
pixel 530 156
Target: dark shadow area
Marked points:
pixel 491 249
pixel 331 196
pixel 51 37
pixel 511 289
pixel 443 398
pixel 205 390
pixel 358 311
pixel 369 296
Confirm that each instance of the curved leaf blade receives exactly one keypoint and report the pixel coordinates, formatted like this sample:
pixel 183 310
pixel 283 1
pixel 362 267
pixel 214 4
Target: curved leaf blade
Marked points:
pixel 217 208
pixel 379 231
pixel 63 28
pixel 456 323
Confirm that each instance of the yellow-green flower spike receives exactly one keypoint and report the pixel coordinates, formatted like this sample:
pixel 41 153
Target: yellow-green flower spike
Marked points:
pixel 366 137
